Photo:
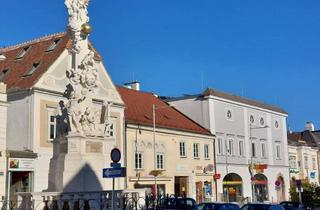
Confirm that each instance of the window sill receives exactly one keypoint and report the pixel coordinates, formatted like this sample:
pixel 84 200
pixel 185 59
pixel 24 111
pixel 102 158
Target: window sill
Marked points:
pixel 196 158
pixel 183 156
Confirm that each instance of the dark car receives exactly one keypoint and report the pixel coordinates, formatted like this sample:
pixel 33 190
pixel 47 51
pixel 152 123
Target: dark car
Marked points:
pixel 262 206
pixel 218 206
pixel 291 205
pixel 177 204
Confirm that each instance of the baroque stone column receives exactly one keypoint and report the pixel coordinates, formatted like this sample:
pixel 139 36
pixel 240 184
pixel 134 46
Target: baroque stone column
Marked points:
pixel 81 153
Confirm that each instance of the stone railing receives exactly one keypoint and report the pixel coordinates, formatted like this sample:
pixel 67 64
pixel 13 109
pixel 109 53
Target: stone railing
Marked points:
pixel 101 200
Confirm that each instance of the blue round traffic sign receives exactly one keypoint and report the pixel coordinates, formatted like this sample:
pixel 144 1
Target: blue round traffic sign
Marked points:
pixel 115 155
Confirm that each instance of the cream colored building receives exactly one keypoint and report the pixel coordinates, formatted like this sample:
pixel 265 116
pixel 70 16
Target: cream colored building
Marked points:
pixel 303 154
pixel 35 75
pixel 3 137
pixel 179 149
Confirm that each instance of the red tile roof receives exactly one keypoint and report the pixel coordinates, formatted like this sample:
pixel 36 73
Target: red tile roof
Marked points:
pixel 37 53
pixel 139 111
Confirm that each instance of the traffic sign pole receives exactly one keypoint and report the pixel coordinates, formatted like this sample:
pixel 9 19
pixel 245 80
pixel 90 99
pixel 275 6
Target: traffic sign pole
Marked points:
pixel 112 199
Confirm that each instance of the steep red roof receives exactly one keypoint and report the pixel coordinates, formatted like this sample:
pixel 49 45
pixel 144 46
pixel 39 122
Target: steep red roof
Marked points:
pixel 139 111
pixel 13 70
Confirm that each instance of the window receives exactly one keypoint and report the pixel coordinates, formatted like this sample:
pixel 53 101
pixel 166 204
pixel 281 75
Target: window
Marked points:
pixel 32 70
pixel 278 151
pixel 220 146
pixel 196 150
pixel 138 160
pixel 241 152
pixel 276 124
pixel 306 166
pixel 206 151
pixel 22 53
pixel 292 161
pixel 261 121
pixel 253 149
pixel 314 165
pixel 52 124
pixel 53 45
pixel 229 114
pixel 3 73
pixel 182 148
pixel 263 150
pixel 230 147
pixel 160 161
pixel 251 119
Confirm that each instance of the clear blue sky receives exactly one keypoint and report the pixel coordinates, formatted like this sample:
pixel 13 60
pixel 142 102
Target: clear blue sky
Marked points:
pixel 267 50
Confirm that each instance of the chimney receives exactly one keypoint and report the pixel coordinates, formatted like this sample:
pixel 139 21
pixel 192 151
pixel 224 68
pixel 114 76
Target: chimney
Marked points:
pixel 2 57
pixel 3 91
pixel 135 85
pixel 309 126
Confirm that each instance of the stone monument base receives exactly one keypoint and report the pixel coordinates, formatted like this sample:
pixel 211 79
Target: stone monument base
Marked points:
pixel 77 163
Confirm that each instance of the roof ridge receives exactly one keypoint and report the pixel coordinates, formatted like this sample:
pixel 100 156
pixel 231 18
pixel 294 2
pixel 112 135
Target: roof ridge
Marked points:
pixel 32 41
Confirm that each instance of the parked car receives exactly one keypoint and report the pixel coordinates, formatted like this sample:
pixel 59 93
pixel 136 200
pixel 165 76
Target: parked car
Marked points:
pixel 218 206
pixel 177 204
pixel 262 206
pixel 288 205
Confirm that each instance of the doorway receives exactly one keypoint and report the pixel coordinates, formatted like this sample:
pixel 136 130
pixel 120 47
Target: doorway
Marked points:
pixel 20 181
pixel 261 187
pixel 181 185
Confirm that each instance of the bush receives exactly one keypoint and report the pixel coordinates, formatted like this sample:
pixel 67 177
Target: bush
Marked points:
pixel 310 194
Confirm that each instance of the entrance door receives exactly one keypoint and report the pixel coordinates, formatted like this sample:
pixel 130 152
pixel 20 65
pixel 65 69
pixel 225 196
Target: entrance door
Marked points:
pixel 232 187
pixel 280 189
pixel 199 192
pixel 181 185
pixel 20 182
pixel 261 188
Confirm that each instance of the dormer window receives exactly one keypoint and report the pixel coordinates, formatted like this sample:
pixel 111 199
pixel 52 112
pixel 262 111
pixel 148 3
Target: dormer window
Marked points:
pixel 22 53
pixel 53 45
pixel 32 70
pixel 3 73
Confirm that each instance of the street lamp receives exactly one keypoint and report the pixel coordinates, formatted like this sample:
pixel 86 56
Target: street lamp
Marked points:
pixel 155 172
pixel 251 164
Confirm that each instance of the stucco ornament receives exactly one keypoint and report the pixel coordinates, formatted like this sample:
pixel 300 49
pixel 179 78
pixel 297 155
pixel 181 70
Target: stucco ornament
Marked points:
pixel 83 79
pixel 77 16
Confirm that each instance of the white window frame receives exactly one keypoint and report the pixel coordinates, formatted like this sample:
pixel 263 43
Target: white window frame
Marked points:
pixel 206 152
pixel 230 146
pixel 253 149
pixel 306 162
pixel 160 165
pixel 292 161
pixel 278 151
pixel 263 150
pixel 220 145
pixel 314 163
pixel 51 112
pixel 241 148
pixel 196 151
pixel 140 163
pixel 182 149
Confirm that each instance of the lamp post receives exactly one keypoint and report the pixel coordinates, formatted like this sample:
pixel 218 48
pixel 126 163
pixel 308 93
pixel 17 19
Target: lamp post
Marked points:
pixel 251 161
pixel 155 172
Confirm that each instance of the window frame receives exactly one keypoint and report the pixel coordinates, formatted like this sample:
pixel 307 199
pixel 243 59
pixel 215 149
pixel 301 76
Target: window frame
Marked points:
pixel 220 145
pixel 51 112
pixel 253 149
pixel 291 159
pixel 159 163
pixel 206 152
pixel 230 147
pixel 241 148
pixel 141 164
pixel 196 153
pixel 182 149
pixel 263 149
pixel 278 151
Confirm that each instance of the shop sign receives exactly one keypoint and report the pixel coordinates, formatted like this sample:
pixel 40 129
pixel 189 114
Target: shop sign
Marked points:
pixel 209 168
pixel 217 176
pixel 312 175
pixel 260 167
pixel 21 164
pixel 294 171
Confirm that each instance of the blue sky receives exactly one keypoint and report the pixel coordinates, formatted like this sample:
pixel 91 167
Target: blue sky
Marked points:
pixel 266 50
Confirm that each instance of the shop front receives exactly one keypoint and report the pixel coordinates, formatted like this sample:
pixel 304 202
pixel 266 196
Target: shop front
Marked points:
pixel 20 178
pixel 232 187
pixel 261 187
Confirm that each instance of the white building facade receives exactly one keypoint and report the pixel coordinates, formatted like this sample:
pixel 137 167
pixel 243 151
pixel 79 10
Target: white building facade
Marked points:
pixel 250 146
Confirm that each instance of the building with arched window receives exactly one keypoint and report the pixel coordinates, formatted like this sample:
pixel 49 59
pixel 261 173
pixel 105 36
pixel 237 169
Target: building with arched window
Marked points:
pixel 251 144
